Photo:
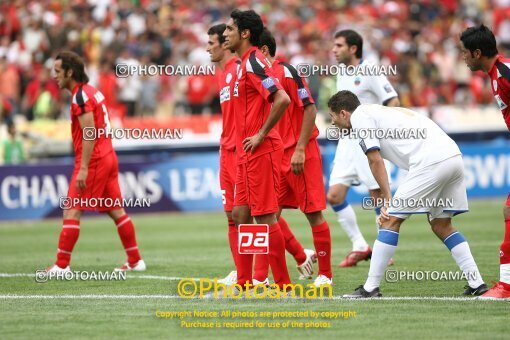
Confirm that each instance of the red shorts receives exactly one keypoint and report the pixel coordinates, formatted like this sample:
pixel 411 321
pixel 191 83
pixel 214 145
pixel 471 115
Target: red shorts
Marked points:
pixel 305 191
pixel 228 167
pixel 257 183
pixel 102 192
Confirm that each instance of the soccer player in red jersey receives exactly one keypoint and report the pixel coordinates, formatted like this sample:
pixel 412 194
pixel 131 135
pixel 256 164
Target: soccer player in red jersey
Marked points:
pixel 226 71
pixel 479 50
pixel 259 101
pixel 96 171
pixel 302 183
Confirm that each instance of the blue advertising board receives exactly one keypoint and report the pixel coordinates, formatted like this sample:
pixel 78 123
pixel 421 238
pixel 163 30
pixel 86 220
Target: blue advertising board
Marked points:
pixel 189 182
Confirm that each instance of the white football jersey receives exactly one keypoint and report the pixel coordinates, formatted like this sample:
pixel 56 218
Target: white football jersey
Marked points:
pixel 430 144
pixel 370 89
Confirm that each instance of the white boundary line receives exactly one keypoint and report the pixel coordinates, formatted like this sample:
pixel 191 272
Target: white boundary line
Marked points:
pixel 148 277
pixel 139 297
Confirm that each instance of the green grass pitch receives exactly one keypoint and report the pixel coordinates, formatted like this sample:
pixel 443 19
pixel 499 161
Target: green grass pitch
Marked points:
pixel 195 245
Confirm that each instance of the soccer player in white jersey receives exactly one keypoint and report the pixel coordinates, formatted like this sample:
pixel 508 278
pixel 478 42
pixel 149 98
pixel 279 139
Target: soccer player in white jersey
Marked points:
pixel 350 166
pixel 436 177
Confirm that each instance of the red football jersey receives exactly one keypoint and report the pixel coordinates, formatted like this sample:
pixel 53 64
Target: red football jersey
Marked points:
pixel 226 80
pixel 500 85
pixel 87 99
pixel 252 97
pixel 289 126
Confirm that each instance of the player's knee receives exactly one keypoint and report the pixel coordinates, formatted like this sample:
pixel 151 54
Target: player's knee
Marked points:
pixel 441 227
pixel 315 218
pixel 334 198
pixel 72 214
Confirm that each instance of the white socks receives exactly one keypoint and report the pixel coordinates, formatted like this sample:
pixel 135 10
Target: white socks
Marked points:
pixel 347 219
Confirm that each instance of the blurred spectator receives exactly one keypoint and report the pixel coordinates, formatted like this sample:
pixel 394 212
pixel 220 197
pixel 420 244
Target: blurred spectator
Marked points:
pixel 418 36
pixel 12 147
pixel 130 86
pixel 41 96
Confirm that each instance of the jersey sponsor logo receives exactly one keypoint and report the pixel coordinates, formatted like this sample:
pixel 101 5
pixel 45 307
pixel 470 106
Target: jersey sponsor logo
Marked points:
pixel 502 105
pixel 387 88
pixel 268 82
pixel 363 146
pixel 225 94
pixel 302 93
pixel 236 89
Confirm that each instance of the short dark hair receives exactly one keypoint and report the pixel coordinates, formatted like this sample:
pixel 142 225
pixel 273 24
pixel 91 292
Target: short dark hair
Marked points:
pixel 248 20
pixel 72 61
pixel 218 30
pixel 352 38
pixel 480 38
pixel 267 39
pixel 343 100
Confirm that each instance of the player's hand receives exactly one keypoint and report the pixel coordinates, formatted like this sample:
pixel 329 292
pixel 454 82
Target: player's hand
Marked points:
pixel 383 216
pixel 297 162
pixel 251 143
pixel 81 179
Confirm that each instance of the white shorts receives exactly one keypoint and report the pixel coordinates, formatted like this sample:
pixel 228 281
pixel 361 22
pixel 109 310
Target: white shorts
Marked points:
pixel 438 190
pixel 350 166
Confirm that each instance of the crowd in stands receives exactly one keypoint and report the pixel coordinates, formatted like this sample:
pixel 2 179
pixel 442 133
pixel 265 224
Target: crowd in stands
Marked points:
pixel 419 37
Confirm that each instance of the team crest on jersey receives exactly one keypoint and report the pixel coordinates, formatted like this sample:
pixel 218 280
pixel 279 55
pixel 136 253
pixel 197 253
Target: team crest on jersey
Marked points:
pixel 357 81
pixel 268 82
pixel 302 93
pixel 228 78
pixel 495 85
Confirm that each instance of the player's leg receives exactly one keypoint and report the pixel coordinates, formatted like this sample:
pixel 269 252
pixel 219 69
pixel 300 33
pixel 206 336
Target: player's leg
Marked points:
pixel 347 219
pixel 127 235
pixel 108 176
pixel 241 214
pixel 312 199
pixel 384 248
pixel 227 181
pixel 276 249
pixel 244 262
pixel 461 253
pixel 263 178
pixel 67 239
pixel 343 174
pixel 502 289
pixel 322 243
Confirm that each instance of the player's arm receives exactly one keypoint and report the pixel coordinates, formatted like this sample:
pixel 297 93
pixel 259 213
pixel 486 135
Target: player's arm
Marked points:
pixel 280 102
pixel 383 89
pixel 297 161
pixel 86 120
pixel 376 163
pixel 392 102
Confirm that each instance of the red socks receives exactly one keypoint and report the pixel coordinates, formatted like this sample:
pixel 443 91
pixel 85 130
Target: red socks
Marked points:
pixel 127 235
pixel 233 239
pixel 505 246
pixel 322 243
pixel 261 267
pixel 68 237
pixel 277 256
pixel 292 245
